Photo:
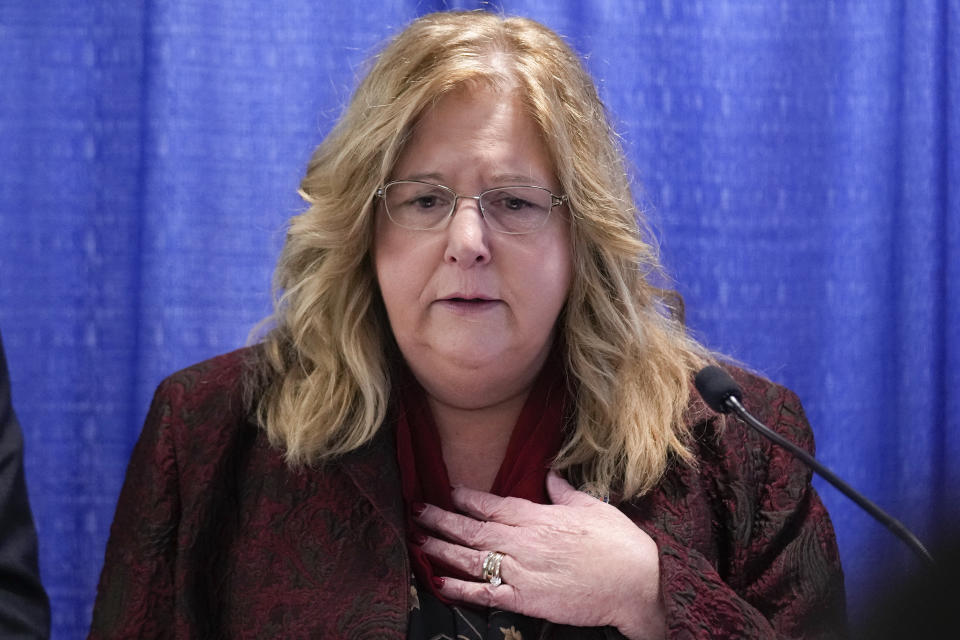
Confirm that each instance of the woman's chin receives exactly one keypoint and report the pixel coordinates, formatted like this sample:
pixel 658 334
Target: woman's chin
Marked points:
pixel 463 369
pixel 474 377
pixel 470 392
pixel 456 352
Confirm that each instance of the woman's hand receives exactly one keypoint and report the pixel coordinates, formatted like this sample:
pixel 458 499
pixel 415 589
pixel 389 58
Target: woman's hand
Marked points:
pixel 578 561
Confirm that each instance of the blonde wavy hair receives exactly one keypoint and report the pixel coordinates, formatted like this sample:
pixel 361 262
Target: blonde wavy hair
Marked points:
pixel 327 357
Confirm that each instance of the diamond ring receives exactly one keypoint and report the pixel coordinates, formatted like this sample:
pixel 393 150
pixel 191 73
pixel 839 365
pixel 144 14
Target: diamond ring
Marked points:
pixel 491 568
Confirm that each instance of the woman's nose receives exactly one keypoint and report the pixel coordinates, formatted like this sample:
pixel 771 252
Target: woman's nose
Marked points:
pixel 467 235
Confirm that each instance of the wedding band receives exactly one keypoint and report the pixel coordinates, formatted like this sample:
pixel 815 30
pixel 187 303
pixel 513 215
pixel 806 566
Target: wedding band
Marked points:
pixel 491 568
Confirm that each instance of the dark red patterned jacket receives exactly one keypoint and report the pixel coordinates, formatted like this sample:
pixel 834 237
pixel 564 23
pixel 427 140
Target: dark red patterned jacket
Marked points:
pixel 215 538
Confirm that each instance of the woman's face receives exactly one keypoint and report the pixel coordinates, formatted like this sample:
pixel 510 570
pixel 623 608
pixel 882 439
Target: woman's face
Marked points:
pixel 474 310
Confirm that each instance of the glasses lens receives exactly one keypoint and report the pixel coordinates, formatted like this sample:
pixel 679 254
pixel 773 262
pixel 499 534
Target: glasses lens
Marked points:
pixel 418 205
pixel 516 209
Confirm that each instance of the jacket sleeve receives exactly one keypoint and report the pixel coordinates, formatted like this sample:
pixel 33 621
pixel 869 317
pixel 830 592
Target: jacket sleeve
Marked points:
pixel 779 575
pixel 135 597
pixel 24 608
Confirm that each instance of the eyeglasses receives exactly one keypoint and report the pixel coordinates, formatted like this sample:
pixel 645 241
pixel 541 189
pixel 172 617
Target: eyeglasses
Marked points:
pixel 423 206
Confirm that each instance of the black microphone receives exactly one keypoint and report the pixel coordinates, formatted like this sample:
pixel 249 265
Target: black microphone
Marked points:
pixel 723 395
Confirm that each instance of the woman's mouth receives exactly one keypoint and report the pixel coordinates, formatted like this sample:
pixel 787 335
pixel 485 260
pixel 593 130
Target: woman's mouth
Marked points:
pixel 464 305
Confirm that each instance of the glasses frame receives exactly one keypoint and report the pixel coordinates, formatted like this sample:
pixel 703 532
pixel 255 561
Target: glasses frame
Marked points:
pixel 555 201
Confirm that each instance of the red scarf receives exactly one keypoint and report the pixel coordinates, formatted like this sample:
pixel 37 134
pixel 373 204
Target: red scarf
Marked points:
pixel 534 443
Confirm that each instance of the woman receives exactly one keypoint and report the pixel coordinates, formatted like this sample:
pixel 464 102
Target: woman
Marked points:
pixel 467 325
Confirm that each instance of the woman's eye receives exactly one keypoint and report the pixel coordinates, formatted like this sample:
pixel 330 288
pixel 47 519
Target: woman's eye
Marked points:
pixel 425 202
pixel 515 203
pixel 511 203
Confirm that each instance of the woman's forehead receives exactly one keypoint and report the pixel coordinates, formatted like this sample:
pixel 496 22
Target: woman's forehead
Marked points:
pixel 477 127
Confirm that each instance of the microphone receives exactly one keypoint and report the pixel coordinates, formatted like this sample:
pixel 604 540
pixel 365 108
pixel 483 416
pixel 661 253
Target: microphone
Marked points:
pixel 723 395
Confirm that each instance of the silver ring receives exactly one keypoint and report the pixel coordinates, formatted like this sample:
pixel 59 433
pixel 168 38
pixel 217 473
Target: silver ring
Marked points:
pixel 491 568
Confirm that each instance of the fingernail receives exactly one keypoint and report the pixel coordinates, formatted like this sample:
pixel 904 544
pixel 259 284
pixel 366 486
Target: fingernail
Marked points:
pixel 418 538
pixel 438 582
pixel 417 508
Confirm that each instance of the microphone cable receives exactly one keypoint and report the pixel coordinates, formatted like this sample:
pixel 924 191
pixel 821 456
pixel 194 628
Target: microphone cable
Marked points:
pixel 723 395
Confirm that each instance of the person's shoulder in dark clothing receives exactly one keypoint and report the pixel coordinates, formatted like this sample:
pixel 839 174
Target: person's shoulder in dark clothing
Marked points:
pixel 24 607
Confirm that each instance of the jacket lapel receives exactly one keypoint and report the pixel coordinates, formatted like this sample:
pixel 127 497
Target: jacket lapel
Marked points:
pixel 373 469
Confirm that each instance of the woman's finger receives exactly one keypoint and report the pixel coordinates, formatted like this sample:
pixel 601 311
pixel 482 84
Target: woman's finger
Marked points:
pixel 504 596
pixel 470 561
pixel 493 508
pixel 562 492
pixel 478 534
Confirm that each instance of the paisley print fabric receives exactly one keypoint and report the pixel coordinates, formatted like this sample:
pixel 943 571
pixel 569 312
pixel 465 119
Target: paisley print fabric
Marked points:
pixel 431 619
pixel 214 537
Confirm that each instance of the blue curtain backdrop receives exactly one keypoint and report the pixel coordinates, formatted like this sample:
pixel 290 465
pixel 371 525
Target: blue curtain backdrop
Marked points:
pixel 799 160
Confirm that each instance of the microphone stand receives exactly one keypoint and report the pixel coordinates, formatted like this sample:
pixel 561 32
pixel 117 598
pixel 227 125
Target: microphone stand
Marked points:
pixel 891 523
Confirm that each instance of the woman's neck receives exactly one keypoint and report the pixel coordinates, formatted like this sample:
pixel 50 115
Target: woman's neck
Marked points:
pixel 474 441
